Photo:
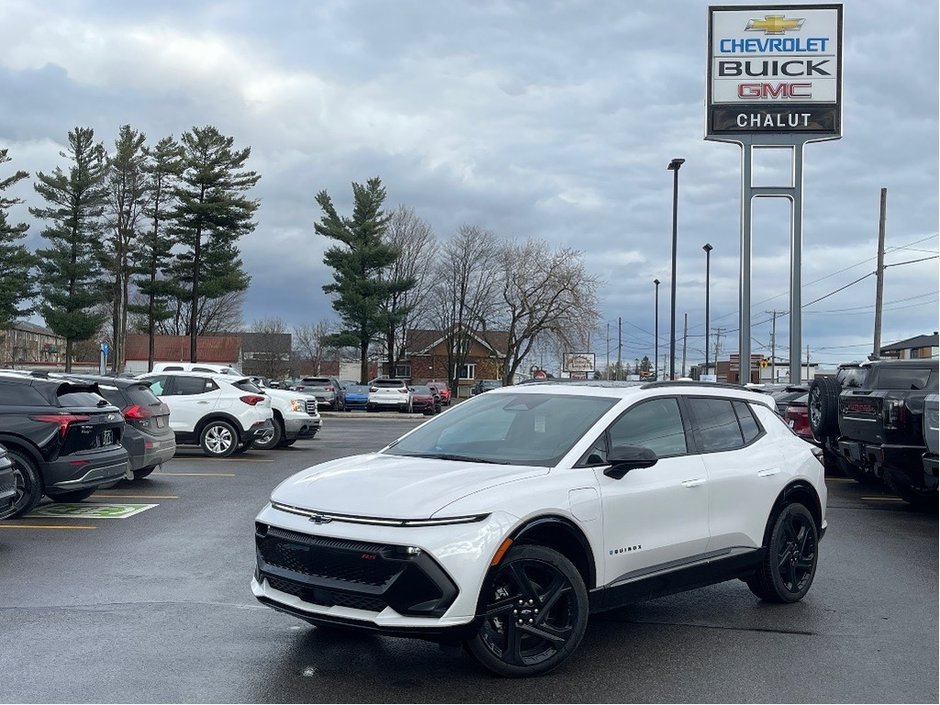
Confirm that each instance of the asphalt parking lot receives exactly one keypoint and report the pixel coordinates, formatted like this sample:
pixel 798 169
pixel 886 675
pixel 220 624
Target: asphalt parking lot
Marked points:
pixel 156 607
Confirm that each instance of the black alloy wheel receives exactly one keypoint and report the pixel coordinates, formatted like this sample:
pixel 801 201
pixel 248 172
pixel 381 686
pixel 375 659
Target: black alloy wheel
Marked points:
pixel 788 569
pixel 26 483
pixel 535 612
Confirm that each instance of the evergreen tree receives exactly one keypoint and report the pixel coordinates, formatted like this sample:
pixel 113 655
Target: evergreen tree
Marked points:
pixel 210 215
pixel 16 262
pixel 127 190
pixel 152 256
pixel 71 284
pixel 358 262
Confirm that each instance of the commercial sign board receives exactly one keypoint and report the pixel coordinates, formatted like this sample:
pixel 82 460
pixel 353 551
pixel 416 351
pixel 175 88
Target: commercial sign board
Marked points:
pixel 578 362
pixel 774 69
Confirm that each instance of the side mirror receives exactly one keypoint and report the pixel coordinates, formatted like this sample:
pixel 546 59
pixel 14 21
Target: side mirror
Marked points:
pixel 623 459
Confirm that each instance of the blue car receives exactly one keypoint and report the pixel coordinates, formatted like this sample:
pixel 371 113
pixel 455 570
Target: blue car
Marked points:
pixel 357 396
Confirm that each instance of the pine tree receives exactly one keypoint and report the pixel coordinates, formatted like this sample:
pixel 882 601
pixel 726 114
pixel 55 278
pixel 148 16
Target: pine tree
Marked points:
pixel 210 215
pixel 358 263
pixel 71 285
pixel 152 256
pixel 127 190
pixel 16 262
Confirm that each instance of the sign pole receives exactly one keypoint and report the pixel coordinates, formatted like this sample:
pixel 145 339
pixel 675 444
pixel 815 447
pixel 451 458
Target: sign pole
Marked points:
pixel 744 285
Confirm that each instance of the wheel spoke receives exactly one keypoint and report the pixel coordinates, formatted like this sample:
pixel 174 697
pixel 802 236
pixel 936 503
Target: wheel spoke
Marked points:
pixel 805 564
pixel 513 652
pixel 792 577
pixel 802 540
pixel 525 586
pixel 559 587
pixel 500 607
pixel 783 559
pixel 556 637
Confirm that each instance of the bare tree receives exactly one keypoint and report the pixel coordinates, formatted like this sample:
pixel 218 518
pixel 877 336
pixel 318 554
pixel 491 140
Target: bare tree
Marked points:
pixel 417 247
pixel 463 296
pixel 311 342
pixel 215 316
pixel 544 293
pixel 270 350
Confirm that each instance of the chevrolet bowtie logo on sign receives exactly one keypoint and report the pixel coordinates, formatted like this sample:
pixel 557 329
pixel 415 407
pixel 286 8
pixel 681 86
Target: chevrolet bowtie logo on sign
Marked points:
pixel 774 24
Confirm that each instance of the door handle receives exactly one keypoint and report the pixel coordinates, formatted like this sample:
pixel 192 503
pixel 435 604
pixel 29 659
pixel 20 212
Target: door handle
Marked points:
pixel 768 472
pixel 693 483
pixel 202 402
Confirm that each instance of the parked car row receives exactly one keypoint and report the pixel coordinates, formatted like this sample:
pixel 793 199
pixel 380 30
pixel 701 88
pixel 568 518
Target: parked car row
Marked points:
pixel 382 393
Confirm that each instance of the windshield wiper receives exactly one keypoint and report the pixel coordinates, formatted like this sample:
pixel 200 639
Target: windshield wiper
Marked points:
pixel 452 456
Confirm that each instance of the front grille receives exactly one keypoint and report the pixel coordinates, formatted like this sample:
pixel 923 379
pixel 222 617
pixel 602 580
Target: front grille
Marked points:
pixel 327 598
pixel 312 407
pixel 347 561
pixel 357 574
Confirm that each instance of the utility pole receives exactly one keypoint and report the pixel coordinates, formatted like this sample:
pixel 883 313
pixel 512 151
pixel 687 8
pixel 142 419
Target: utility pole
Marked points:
pixel 619 344
pixel 773 345
pixel 685 338
pixel 718 332
pixel 808 380
pixel 608 349
pixel 880 274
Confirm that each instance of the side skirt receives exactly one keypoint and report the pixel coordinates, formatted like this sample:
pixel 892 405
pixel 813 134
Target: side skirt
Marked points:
pixel 677 579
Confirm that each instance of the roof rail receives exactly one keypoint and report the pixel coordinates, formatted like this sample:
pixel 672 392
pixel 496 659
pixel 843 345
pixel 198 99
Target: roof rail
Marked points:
pixel 697 383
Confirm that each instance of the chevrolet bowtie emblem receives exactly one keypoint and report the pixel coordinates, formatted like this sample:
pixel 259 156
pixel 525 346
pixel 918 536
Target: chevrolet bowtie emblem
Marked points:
pixel 774 24
pixel 321 519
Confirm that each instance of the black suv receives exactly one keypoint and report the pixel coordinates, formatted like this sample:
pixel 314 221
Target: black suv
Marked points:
pixel 148 438
pixel 64 439
pixel 870 420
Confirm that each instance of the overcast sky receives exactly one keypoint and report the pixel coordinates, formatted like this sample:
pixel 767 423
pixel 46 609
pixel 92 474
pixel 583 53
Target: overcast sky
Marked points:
pixel 531 119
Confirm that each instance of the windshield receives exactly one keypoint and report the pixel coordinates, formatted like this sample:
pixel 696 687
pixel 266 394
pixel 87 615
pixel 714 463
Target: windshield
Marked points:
pixel 516 429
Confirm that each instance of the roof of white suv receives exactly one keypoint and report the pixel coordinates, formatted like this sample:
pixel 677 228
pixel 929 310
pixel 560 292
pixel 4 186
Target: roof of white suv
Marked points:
pixel 624 390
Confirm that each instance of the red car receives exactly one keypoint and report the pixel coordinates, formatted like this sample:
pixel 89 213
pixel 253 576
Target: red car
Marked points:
pixel 442 390
pixel 797 418
pixel 425 400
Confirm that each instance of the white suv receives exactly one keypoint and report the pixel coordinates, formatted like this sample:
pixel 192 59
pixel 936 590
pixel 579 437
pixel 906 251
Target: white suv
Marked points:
pixel 503 523
pixel 223 414
pixel 389 394
pixel 295 416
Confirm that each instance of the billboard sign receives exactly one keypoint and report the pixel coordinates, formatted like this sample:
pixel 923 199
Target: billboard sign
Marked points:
pixel 578 362
pixel 774 69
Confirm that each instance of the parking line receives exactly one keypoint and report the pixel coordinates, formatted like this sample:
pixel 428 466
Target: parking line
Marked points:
pixel 10 525
pixel 195 474
pixel 135 496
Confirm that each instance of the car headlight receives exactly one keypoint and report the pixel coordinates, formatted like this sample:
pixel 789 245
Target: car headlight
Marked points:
pixel 298 405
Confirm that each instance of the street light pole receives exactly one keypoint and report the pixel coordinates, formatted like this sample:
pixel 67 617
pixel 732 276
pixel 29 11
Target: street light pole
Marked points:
pixel 674 166
pixel 708 255
pixel 656 335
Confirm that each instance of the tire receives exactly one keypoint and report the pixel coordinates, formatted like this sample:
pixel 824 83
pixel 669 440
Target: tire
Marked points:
pixel 243 446
pixel 854 472
pixel 898 483
pixel 272 439
pixel 823 407
pixel 144 472
pixel 74 496
pixel 27 482
pixel 218 439
pixel 536 612
pixel 789 566
pixel 287 444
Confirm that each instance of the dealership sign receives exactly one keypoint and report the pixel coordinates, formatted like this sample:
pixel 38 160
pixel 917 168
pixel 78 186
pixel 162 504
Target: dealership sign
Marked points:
pixel 774 69
pixel 578 362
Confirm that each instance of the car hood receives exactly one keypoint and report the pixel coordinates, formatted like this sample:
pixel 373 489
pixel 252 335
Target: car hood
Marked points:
pixel 392 486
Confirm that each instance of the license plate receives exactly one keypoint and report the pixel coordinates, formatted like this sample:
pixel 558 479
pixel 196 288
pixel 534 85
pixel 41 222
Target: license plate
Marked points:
pixel 107 437
pixel 161 422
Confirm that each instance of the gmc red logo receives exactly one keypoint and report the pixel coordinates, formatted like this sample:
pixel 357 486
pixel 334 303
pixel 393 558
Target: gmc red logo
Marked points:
pixel 368 556
pixel 765 91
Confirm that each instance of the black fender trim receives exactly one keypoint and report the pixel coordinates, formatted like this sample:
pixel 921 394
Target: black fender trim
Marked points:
pixel 219 416
pixel 24 446
pixel 792 492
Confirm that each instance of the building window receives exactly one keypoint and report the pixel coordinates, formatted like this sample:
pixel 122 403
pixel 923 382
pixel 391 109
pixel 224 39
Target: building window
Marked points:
pixel 403 371
pixel 466 371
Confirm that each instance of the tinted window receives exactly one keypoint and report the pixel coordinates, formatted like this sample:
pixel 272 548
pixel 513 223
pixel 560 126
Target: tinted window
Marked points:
pixel 388 383
pixel 715 425
pixel 140 394
pixel 357 389
pixel 192 385
pixel 173 368
pixel 247 386
pixel 157 384
pixel 20 394
pixel 422 390
pixel 654 424
pixel 112 394
pixel 80 398
pixel 749 426
pixel 901 378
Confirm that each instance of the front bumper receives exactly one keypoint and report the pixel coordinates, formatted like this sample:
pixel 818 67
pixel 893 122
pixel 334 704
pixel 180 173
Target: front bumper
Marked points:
pixel 301 426
pixel 364 576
